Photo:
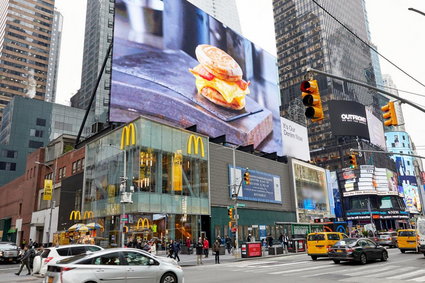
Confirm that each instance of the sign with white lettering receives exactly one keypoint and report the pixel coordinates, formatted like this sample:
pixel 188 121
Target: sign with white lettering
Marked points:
pixel 295 140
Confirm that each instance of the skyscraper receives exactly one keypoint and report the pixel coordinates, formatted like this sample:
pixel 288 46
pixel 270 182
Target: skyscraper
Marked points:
pixel 55 43
pixel 25 47
pixel 307 36
pixel 97 38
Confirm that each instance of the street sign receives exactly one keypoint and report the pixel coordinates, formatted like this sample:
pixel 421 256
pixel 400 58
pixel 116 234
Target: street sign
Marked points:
pixel 124 219
pixel 230 206
pixel 241 205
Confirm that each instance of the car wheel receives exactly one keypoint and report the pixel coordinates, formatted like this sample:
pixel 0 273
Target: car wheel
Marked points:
pixel 313 257
pixel 168 278
pixel 402 251
pixel 363 259
pixel 384 256
pixel 337 261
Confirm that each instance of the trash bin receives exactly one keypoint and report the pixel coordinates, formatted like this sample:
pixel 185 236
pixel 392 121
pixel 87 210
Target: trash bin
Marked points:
pixel 279 250
pixel 222 250
pixel 272 251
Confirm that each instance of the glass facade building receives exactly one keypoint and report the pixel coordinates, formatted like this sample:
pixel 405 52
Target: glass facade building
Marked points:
pixel 167 174
pixel 306 36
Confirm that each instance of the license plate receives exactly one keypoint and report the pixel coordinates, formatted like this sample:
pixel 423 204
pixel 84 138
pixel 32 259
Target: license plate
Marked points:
pixel 339 251
pixel 50 280
pixel 10 259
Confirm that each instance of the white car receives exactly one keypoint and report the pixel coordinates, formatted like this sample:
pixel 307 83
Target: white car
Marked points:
pixel 115 265
pixel 53 254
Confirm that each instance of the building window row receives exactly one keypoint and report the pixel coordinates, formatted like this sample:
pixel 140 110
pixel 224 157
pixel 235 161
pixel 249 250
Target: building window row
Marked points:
pixel 9 153
pixel 21 44
pixel 36 133
pixel 28 24
pixel 7 166
pixel 62 173
pixel 35 144
pixel 78 166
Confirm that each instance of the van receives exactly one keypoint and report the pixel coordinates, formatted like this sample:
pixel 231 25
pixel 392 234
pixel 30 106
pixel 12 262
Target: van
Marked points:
pixel 318 243
pixel 407 240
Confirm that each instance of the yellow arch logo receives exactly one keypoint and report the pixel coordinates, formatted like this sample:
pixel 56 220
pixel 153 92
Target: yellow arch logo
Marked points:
pixel 128 136
pixel 75 215
pixel 145 223
pixel 197 142
pixel 88 214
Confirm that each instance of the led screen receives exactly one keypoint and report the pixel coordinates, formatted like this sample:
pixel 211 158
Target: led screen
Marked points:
pixel 174 63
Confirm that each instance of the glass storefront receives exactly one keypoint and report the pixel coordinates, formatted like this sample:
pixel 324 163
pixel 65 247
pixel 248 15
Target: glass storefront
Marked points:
pixel 165 170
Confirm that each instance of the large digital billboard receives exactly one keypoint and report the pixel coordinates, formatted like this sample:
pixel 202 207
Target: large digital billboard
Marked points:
pixel 348 118
pixel 176 64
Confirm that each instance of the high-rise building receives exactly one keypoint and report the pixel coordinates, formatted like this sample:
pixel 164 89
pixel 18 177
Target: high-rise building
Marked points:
pixel 97 38
pixel 55 43
pixel 26 29
pixel 307 36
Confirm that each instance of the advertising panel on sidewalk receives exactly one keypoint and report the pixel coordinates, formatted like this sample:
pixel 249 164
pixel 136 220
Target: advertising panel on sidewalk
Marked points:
pixel 263 187
pixel 348 118
pixel 175 63
pixel 295 140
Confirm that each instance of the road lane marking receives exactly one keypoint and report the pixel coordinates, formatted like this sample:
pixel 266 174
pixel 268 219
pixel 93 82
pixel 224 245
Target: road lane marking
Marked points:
pixel 333 270
pixel 407 275
pixel 274 266
pixel 295 270
pixel 374 270
pixel 397 270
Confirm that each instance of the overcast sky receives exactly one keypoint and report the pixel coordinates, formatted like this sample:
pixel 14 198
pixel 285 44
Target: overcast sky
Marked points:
pixel 397 32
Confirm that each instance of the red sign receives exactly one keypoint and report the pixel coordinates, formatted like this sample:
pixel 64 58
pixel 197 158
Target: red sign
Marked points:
pixel 254 249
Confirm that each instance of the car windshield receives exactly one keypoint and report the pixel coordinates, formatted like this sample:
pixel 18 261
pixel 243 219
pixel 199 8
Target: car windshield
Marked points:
pixel 406 234
pixel 71 259
pixel 346 242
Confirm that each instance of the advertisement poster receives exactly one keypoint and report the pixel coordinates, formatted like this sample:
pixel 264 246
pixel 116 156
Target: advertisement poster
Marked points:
pixel 311 191
pixel 263 187
pixel 335 201
pixel 295 140
pixel 411 193
pixel 174 63
pixel 376 130
pixel 348 118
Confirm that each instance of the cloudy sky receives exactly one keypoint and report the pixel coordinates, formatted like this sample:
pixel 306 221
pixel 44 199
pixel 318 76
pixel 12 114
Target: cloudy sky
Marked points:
pixel 396 31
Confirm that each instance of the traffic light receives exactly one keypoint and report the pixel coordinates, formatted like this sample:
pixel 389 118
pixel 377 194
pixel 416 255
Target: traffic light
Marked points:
pixel 230 212
pixel 389 114
pixel 125 229
pixel 311 99
pixel 353 161
pixel 246 177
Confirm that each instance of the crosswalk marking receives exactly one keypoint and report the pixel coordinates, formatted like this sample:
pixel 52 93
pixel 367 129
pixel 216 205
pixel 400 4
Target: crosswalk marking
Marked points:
pixel 407 275
pixel 373 270
pixel 295 270
pixel 332 269
pixel 418 279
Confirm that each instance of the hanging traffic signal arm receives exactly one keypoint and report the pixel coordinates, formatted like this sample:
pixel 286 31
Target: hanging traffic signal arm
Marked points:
pixel 312 100
pixel 390 114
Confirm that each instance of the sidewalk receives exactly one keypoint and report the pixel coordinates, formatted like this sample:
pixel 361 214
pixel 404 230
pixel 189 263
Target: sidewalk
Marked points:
pixel 190 260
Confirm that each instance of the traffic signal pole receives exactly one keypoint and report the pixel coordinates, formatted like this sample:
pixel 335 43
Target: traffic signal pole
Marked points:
pixel 402 100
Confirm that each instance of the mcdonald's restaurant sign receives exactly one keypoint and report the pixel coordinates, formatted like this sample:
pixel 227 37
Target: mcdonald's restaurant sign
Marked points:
pixel 48 189
pixel 128 136
pixel 145 223
pixel 76 215
pixel 196 142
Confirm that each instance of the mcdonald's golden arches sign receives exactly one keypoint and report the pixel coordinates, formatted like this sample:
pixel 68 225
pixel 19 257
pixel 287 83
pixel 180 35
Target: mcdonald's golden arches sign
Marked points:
pixel 128 136
pixel 145 223
pixel 198 145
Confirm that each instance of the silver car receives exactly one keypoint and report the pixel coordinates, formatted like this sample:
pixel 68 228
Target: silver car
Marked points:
pixel 115 265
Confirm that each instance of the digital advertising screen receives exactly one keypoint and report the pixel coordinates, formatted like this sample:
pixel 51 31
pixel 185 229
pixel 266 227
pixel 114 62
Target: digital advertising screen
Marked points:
pixel 174 63
pixel 348 118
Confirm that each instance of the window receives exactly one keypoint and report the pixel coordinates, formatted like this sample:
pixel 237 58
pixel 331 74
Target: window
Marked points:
pixel 36 133
pixel 62 252
pixel 9 153
pixel 108 259
pixel 74 167
pixel 92 248
pixel 333 236
pixel 35 144
pixel 77 250
pixel 134 258
pixel 407 234
pixel 41 122
pixel 316 237
pixel 2 165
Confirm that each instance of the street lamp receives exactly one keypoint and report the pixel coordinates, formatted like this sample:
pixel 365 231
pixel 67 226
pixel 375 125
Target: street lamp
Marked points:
pixel 53 203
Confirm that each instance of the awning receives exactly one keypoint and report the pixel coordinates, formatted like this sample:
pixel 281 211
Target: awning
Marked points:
pixel 11 230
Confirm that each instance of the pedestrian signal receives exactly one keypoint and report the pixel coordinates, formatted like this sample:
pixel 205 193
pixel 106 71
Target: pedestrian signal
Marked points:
pixel 125 229
pixel 311 99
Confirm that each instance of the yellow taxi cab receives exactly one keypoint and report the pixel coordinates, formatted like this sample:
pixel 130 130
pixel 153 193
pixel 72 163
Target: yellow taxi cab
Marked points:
pixel 319 243
pixel 407 240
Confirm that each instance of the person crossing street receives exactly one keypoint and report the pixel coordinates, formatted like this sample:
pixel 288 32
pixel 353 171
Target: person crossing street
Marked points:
pixel 25 261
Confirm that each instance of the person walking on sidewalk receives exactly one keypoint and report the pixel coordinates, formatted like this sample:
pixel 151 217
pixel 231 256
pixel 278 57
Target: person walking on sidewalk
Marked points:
pixel 216 250
pixel 206 246
pixel 171 249
pixel 199 251
pixel 176 250
pixel 228 243
pixel 25 261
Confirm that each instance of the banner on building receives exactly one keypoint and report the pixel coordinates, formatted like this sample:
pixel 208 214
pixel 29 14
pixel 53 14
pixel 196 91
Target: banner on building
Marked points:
pixel 48 189
pixel 295 140
pixel 376 130
pixel 263 187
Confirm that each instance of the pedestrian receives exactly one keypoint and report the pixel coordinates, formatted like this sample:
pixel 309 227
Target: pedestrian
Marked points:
pixel 25 261
pixel 189 246
pixel 248 239
pixel 176 250
pixel 171 249
pixel 228 243
pixel 206 246
pixel 286 242
pixel 199 251
pixel 216 250
pixel 23 244
pixel 153 247
pixel 270 240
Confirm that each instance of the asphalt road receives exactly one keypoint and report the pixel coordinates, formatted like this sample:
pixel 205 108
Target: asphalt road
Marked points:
pixel 408 267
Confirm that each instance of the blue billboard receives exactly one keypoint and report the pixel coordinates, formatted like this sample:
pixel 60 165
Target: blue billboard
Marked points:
pixel 263 187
